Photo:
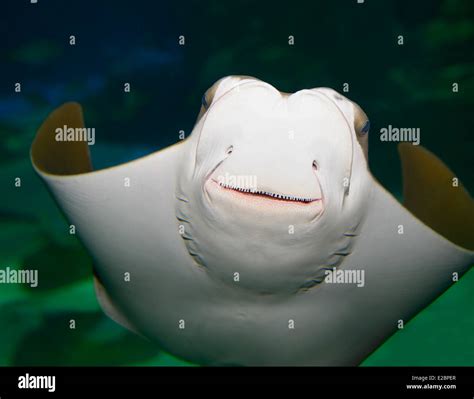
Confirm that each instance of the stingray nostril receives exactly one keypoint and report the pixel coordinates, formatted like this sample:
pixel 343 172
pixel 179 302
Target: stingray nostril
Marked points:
pixel 315 166
pixel 229 150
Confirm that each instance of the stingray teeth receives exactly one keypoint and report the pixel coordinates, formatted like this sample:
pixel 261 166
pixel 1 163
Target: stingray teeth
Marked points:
pixel 267 193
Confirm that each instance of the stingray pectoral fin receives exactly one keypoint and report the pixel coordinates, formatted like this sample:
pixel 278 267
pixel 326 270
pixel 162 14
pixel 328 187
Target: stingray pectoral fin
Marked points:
pixel 52 155
pixel 435 196
pixel 124 215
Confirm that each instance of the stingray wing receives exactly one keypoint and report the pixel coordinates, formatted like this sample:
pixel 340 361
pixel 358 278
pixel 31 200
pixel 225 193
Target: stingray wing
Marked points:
pixel 410 253
pixel 124 215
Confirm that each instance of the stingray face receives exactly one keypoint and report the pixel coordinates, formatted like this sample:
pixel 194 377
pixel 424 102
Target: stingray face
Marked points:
pixel 266 163
pixel 263 154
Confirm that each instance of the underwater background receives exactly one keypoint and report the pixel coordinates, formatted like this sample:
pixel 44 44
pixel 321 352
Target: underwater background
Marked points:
pixel 136 42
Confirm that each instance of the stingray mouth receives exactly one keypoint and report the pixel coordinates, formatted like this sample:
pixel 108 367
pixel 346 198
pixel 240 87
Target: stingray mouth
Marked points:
pixel 273 196
pixel 261 201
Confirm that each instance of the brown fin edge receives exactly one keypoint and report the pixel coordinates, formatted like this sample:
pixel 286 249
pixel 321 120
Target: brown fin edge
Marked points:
pixel 63 158
pixel 108 306
pixel 430 195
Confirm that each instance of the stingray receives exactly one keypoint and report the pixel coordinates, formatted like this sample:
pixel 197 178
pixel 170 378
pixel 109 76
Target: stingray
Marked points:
pixel 220 248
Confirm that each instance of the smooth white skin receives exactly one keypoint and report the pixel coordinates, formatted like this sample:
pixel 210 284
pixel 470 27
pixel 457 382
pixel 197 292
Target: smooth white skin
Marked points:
pixel 277 247
pixel 188 277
